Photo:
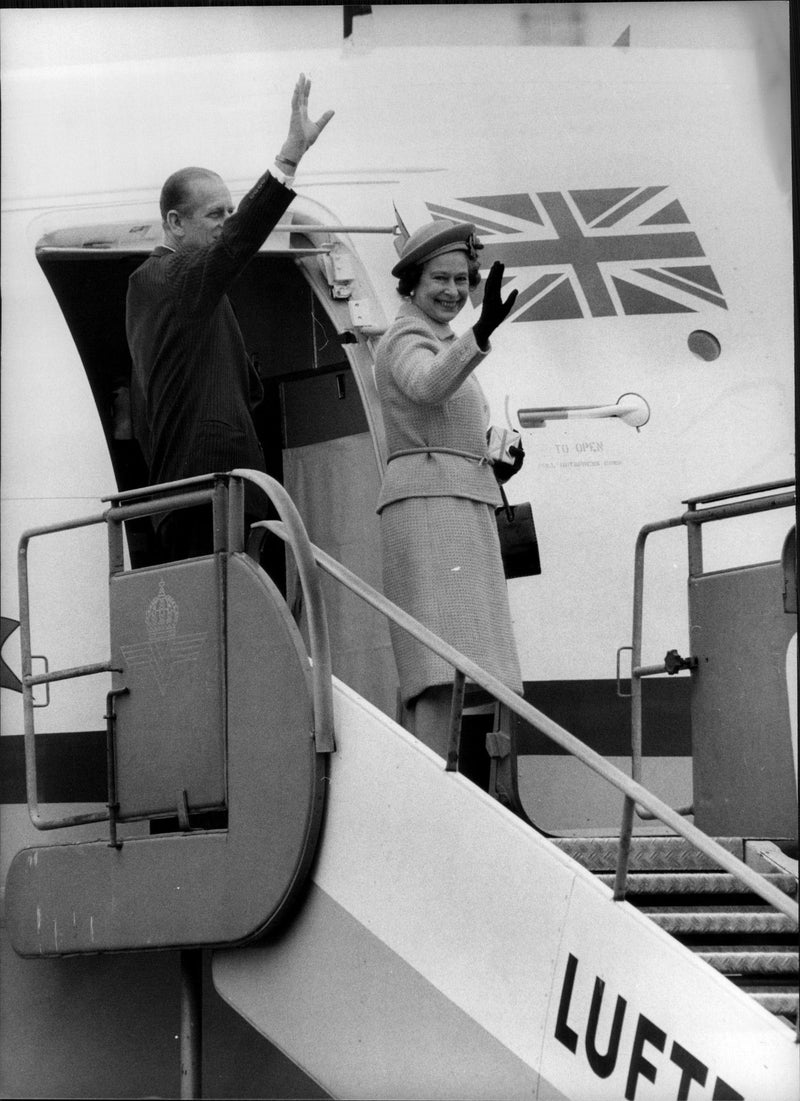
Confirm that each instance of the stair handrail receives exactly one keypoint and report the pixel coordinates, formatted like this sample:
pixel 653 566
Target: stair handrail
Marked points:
pixel 141 502
pixel 292 530
pixel 319 639
pixel 130 503
pixel 194 494
pixel 29 680
pixel 633 791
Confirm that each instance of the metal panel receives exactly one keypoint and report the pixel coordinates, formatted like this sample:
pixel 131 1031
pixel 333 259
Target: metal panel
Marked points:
pixel 166 635
pixel 744 777
pixel 200 888
pixel 433 952
pixel 366 1024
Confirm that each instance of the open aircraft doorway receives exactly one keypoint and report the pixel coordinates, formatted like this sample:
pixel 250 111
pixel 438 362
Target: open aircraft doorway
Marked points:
pixel 315 422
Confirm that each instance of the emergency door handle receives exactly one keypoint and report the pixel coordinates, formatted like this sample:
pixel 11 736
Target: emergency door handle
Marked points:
pixel 631 409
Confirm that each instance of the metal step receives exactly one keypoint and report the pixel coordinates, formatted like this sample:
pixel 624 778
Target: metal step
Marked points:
pixel 751 960
pixel 780 1002
pixel 690 920
pixel 647 854
pixel 694 883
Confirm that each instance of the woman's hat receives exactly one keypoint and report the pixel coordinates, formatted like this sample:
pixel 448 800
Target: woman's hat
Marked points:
pixel 434 239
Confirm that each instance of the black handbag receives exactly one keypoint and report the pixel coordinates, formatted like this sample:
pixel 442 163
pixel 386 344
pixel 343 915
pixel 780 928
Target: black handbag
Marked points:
pixel 518 543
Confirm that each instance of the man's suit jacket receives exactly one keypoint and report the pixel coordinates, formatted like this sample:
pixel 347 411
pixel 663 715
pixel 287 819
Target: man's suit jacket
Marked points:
pixel 193 387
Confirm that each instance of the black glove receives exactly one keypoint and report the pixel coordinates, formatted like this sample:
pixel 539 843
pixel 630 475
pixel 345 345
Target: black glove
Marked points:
pixel 504 471
pixel 494 310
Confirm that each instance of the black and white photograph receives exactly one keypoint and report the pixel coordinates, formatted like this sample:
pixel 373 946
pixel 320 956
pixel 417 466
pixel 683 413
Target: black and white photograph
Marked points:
pixel 398 561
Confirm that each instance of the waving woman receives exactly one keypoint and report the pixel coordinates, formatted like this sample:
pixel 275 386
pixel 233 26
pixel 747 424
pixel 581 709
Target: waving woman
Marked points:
pixel 441 554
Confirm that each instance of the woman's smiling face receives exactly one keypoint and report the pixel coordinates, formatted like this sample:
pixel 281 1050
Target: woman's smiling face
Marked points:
pixel 443 286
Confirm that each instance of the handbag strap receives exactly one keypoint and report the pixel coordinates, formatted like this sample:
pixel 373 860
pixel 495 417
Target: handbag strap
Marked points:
pixel 508 508
pixel 440 451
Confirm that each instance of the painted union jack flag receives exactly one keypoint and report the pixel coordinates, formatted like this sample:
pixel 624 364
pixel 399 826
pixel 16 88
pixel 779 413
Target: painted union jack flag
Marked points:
pixel 591 253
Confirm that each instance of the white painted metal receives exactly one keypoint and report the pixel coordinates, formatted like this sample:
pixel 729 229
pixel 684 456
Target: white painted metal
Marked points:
pixel 435 912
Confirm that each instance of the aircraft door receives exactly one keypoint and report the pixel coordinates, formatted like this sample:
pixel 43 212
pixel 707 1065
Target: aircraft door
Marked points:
pixel 330 471
pixel 319 441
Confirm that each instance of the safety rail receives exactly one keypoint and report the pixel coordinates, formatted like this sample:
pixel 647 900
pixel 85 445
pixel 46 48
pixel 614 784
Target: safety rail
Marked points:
pixel 228 508
pixel 693 519
pixel 29 681
pixel 292 531
pixel 233 540
pixel 633 791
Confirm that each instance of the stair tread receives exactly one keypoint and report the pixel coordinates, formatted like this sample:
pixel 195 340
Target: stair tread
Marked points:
pixel 695 882
pixel 758 961
pixel 758 907
pixel 789 951
pixel 684 920
pixel 776 1001
pixel 647 853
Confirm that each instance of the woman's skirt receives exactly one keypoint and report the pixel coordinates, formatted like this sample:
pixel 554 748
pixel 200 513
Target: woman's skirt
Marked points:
pixel 442 565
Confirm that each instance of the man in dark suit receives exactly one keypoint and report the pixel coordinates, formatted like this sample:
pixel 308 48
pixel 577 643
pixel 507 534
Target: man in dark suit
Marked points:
pixel 193 387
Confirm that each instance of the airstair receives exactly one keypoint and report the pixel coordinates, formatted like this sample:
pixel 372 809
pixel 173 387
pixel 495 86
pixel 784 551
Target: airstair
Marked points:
pixel 684 891
pixel 708 910
pixel 741 780
pixel 448 950
pixel 406 934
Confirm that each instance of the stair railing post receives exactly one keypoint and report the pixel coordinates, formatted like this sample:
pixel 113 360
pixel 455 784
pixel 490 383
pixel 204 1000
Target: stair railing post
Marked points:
pixel 191 1042
pixel 623 855
pixel 454 729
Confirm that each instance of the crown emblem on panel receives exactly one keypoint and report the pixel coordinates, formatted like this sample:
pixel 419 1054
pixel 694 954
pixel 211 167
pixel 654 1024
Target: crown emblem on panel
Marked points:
pixel 165 651
pixel 162 615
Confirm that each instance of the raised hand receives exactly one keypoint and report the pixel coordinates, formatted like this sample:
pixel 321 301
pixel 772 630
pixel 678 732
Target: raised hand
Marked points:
pixel 494 310
pixel 302 131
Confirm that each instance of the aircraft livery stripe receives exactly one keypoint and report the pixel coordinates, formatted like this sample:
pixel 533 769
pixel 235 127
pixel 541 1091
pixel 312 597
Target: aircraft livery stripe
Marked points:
pixel 71 765
pixel 593 712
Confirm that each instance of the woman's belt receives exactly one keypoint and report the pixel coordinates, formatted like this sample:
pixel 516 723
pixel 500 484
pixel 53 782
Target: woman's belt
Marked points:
pixel 482 459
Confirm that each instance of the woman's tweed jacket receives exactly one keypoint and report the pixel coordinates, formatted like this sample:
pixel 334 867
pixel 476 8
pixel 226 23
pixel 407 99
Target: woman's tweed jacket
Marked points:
pixel 441 554
pixel 192 384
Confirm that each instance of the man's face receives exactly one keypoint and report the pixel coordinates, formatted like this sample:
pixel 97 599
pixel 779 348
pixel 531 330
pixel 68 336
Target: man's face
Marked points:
pixel 211 206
